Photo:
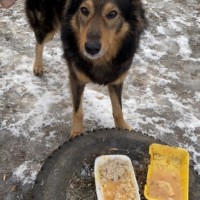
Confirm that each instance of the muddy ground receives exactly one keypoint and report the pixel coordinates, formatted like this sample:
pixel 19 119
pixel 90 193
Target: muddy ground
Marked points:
pixel 161 93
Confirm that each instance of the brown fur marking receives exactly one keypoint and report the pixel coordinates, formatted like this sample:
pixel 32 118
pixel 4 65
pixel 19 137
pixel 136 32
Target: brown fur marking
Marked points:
pixel 82 77
pixel 117 110
pixel 77 122
pixel 120 79
pixel 38 63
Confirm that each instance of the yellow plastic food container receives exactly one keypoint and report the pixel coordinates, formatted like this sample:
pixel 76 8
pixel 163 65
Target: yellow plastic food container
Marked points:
pixel 168 173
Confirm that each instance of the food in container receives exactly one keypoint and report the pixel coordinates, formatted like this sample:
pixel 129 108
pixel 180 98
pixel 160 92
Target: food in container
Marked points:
pixel 168 173
pixel 115 178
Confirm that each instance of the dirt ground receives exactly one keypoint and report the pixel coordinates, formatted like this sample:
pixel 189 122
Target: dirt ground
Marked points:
pixel 161 93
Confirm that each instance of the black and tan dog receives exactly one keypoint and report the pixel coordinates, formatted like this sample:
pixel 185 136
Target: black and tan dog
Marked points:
pixel 99 40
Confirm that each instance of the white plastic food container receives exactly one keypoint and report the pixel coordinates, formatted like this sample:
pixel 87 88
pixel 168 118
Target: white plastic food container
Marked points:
pixel 115 178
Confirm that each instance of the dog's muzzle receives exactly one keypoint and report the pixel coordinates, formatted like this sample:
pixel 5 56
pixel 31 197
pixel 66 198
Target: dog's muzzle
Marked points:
pixel 92 47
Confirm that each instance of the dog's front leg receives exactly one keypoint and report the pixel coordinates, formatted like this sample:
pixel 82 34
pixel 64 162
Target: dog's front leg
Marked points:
pixel 115 92
pixel 77 89
pixel 38 63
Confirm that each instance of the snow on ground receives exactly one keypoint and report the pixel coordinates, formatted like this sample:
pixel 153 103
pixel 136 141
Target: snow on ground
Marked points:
pixel 161 94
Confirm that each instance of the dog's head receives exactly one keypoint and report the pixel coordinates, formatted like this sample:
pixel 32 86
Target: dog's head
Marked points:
pixel 100 26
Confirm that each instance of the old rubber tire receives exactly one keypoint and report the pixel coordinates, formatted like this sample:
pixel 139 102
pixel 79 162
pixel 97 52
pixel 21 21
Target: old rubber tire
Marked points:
pixel 52 180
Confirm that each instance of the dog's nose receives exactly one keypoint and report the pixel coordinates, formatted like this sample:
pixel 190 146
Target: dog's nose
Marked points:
pixel 92 47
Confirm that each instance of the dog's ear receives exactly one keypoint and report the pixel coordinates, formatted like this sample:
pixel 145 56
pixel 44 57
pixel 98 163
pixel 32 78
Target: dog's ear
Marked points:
pixel 138 15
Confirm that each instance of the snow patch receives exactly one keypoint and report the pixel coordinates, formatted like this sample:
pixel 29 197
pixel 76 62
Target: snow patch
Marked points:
pixel 26 172
pixel 185 50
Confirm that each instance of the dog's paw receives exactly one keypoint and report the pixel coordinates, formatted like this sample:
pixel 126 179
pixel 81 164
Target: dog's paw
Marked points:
pixel 76 131
pixel 129 128
pixel 125 126
pixel 38 71
pixel 75 134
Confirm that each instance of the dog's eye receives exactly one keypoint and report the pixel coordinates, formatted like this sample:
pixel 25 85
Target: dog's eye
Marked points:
pixel 84 11
pixel 112 14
